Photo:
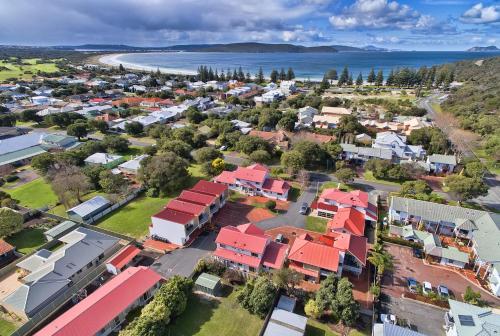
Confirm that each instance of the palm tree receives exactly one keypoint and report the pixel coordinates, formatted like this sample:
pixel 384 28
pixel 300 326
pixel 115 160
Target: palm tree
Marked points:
pixel 381 259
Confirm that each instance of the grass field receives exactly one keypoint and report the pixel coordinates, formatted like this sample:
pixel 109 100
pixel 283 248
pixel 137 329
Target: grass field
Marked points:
pixel 316 224
pixel 491 164
pixel 27 240
pixel 134 218
pixel 17 71
pixel 315 328
pixel 205 317
pixel 331 184
pixel 368 176
pixel 34 194
pixel 6 327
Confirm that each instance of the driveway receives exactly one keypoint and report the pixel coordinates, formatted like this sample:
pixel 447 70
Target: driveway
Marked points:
pixel 183 261
pixel 406 265
pixel 426 319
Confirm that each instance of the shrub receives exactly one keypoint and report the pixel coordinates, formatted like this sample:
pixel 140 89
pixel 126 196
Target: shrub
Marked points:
pixel 11 178
pixel 271 205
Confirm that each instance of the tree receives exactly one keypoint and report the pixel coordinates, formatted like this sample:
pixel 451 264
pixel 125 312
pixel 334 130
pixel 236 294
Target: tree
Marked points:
pixel 134 128
pixel 176 146
pixel 471 297
pixel 260 76
pixel 325 296
pixel 30 115
pixel 432 139
pixel 350 80
pixel 121 68
pixel 333 149
pixel 345 175
pixel 350 124
pixel 331 74
pixel 312 152
pixel 175 294
pixel 262 297
pixel 474 169
pixel 260 156
pixel 345 300
pixel 344 76
pixel 43 162
pixel 413 188
pixel 359 80
pixel 115 143
pixel 381 259
pixel 293 160
pixel 93 174
pixel 11 222
pixel 290 74
pixel 112 183
pixel 371 76
pixel 212 168
pixel 248 144
pixel 99 125
pixel 194 116
pixel 164 173
pixel 69 184
pixel 312 309
pixel 207 154
pixel 287 279
pixel 380 78
pixel 78 130
pixel 287 121
pixel 465 188
pixel 274 76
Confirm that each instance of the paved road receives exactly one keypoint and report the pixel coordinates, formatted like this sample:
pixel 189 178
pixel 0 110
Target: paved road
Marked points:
pixel 182 261
pixel 492 199
pixel 420 317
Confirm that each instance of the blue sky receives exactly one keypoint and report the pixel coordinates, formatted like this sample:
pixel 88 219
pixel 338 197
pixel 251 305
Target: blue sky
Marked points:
pixel 398 24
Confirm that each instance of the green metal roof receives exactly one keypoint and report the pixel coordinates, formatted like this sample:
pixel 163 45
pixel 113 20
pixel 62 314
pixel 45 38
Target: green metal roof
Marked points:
pixel 21 155
pixel 453 253
pixel 60 228
pixel 207 280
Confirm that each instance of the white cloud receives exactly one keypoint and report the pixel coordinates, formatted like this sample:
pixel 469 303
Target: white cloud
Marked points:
pixel 481 14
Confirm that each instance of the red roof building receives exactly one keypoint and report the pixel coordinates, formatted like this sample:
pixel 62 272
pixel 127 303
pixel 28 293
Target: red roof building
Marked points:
pixel 173 216
pixel 254 180
pixel 197 198
pixel 248 248
pixel 116 264
pixel 210 188
pixel 106 308
pixel 333 199
pixel 348 220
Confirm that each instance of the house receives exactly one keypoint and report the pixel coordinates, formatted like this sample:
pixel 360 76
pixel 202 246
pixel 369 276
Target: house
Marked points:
pixel 309 136
pixel 254 180
pixel 326 121
pixel 104 159
pixel 442 164
pixel 288 87
pixel 363 138
pixel 47 275
pixel 389 329
pixel 103 311
pixel 247 248
pixel 494 279
pixel 40 100
pixel 334 252
pixel 348 220
pixel 7 253
pixel 397 143
pixel 332 200
pixel 278 138
pixel 59 229
pixel 269 97
pixel 449 256
pixel 464 319
pixel 185 216
pixel 85 211
pixel 132 166
pixel 305 116
pixel 123 259
pixel 480 228
pixel 287 323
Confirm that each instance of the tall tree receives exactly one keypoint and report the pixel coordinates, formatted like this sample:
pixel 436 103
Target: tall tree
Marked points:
pixel 260 76
pixel 274 76
pixel 290 74
pixel 380 78
pixel 359 80
pixel 344 76
pixel 371 76
pixel 282 74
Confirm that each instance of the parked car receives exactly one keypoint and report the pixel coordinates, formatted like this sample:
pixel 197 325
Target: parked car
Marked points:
pixel 303 209
pixel 417 253
pixel 223 148
pixel 412 285
pixel 388 318
pixel 426 287
pixel 443 291
pixel 279 238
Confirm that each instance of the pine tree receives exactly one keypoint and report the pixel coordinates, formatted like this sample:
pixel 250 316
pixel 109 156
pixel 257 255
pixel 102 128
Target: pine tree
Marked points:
pixel 248 77
pixel 350 81
pixel 344 76
pixel 325 83
pixel 282 74
pixel 390 79
pixel 223 76
pixel 121 68
pixel 359 80
pixel 274 76
pixel 332 74
pixel 290 74
pixel 371 76
pixel 380 78
pixel 235 75
pixel 260 76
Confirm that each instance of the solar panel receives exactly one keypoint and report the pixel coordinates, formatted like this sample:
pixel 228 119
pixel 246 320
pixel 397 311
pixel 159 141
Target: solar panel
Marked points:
pixel 466 320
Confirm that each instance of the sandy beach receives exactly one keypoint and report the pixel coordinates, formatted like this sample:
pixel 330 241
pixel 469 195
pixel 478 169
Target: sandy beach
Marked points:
pixel 114 60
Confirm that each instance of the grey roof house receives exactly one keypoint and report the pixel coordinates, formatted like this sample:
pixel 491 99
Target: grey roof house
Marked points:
pixel 46 275
pixel 104 159
pixel 464 319
pixel 283 322
pixel 86 210
pixel 132 166
pixel 389 329
pixel 59 229
pixel 352 152
pixel 442 163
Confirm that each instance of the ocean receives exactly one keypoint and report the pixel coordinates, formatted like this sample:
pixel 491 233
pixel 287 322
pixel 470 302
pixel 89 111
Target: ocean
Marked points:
pixel 305 65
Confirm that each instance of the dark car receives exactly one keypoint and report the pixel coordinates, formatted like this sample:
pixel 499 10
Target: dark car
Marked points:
pixel 417 253
pixel 303 209
pixel 412 285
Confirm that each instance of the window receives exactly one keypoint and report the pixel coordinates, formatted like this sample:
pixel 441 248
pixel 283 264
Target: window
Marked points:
pixel 254 254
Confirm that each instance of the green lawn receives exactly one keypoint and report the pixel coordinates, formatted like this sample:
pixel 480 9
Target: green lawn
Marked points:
pixel 17 71
pixel 368 176
pixel 492 165
pixel 316 224
pixel 331 184
pixel 316 328
pixel 6 327
pixel 134 218
pixel 27 240
pixel 34 194
pixel 205 317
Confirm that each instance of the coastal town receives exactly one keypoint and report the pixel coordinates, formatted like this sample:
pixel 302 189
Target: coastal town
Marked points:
pixel 140 202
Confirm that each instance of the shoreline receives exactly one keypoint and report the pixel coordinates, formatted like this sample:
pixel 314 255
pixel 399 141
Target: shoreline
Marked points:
pixel 113 60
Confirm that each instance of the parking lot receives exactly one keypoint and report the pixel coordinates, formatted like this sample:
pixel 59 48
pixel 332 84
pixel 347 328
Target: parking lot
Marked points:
pixel 406 265
pixel 424 318
pixel 238 213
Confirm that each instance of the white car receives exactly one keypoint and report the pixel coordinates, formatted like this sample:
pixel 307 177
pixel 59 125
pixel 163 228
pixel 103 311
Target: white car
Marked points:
pixel 426 287
pixel 388 318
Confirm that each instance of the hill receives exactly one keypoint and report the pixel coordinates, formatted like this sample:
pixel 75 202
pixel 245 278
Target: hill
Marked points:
pixel 488 48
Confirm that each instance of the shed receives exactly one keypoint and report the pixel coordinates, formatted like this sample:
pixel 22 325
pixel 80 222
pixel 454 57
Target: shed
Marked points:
pixel 208 284
pixel 283 322
pixel 122 259
pixel 286 303
pixel 88 209
pixel 59 229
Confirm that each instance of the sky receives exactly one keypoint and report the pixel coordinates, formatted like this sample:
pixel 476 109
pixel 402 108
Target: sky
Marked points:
pixel 398 24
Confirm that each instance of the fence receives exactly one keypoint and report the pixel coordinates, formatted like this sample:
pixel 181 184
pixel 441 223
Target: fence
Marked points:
pixel 115 206
pixel 51 308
